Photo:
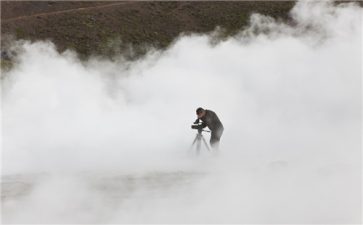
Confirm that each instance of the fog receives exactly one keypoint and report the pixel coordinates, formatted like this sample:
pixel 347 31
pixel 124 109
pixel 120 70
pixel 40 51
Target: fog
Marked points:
pixel 108 141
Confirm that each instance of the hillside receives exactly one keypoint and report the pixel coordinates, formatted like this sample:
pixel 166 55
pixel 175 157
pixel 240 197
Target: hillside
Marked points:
pixel 108 27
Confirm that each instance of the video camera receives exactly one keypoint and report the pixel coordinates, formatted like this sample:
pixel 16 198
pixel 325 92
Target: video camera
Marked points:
pixel 198 126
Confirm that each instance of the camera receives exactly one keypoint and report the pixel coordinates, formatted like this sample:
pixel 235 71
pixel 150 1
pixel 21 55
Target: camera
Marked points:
pixel 197 126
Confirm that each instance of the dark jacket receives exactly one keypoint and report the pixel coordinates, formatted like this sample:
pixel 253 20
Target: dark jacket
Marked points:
pixel 211 120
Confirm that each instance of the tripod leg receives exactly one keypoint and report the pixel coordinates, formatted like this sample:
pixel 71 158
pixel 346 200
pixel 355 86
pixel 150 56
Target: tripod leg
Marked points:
pixel 195 139
pixel 198 145
pixel 206 144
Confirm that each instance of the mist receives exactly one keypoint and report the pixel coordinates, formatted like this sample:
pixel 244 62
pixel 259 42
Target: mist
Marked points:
pixel 108 141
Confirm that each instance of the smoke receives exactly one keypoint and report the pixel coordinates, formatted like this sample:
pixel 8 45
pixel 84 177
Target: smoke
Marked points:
pixel 102 141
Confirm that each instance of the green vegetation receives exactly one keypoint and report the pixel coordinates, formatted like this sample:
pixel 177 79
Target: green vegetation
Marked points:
pixel 5 65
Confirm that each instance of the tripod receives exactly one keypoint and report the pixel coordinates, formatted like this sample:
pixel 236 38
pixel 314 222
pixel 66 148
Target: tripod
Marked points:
pixel 198 141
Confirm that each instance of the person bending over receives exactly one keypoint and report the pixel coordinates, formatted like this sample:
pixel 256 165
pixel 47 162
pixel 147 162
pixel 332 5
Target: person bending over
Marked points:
pixel 210 119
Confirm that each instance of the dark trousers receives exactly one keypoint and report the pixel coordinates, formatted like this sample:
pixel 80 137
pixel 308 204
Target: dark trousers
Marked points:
pixel 216 137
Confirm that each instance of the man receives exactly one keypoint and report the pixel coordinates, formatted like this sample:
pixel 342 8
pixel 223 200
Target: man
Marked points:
pixel 210 119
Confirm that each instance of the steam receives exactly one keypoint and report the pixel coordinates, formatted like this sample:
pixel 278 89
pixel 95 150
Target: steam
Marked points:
pixel 102 141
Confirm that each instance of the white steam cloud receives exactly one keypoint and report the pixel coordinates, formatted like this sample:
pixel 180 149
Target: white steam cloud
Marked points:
pixel 107 141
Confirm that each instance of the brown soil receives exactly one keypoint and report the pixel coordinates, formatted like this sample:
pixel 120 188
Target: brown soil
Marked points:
pixel 95 27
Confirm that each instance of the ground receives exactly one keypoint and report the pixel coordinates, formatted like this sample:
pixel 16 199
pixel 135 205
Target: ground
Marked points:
pixel 107 28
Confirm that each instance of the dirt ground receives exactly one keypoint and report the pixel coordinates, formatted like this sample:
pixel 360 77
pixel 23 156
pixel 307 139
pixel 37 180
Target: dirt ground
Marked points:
pixel 108 27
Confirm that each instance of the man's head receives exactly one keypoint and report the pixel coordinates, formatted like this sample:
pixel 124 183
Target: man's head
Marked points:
pixel 200 112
